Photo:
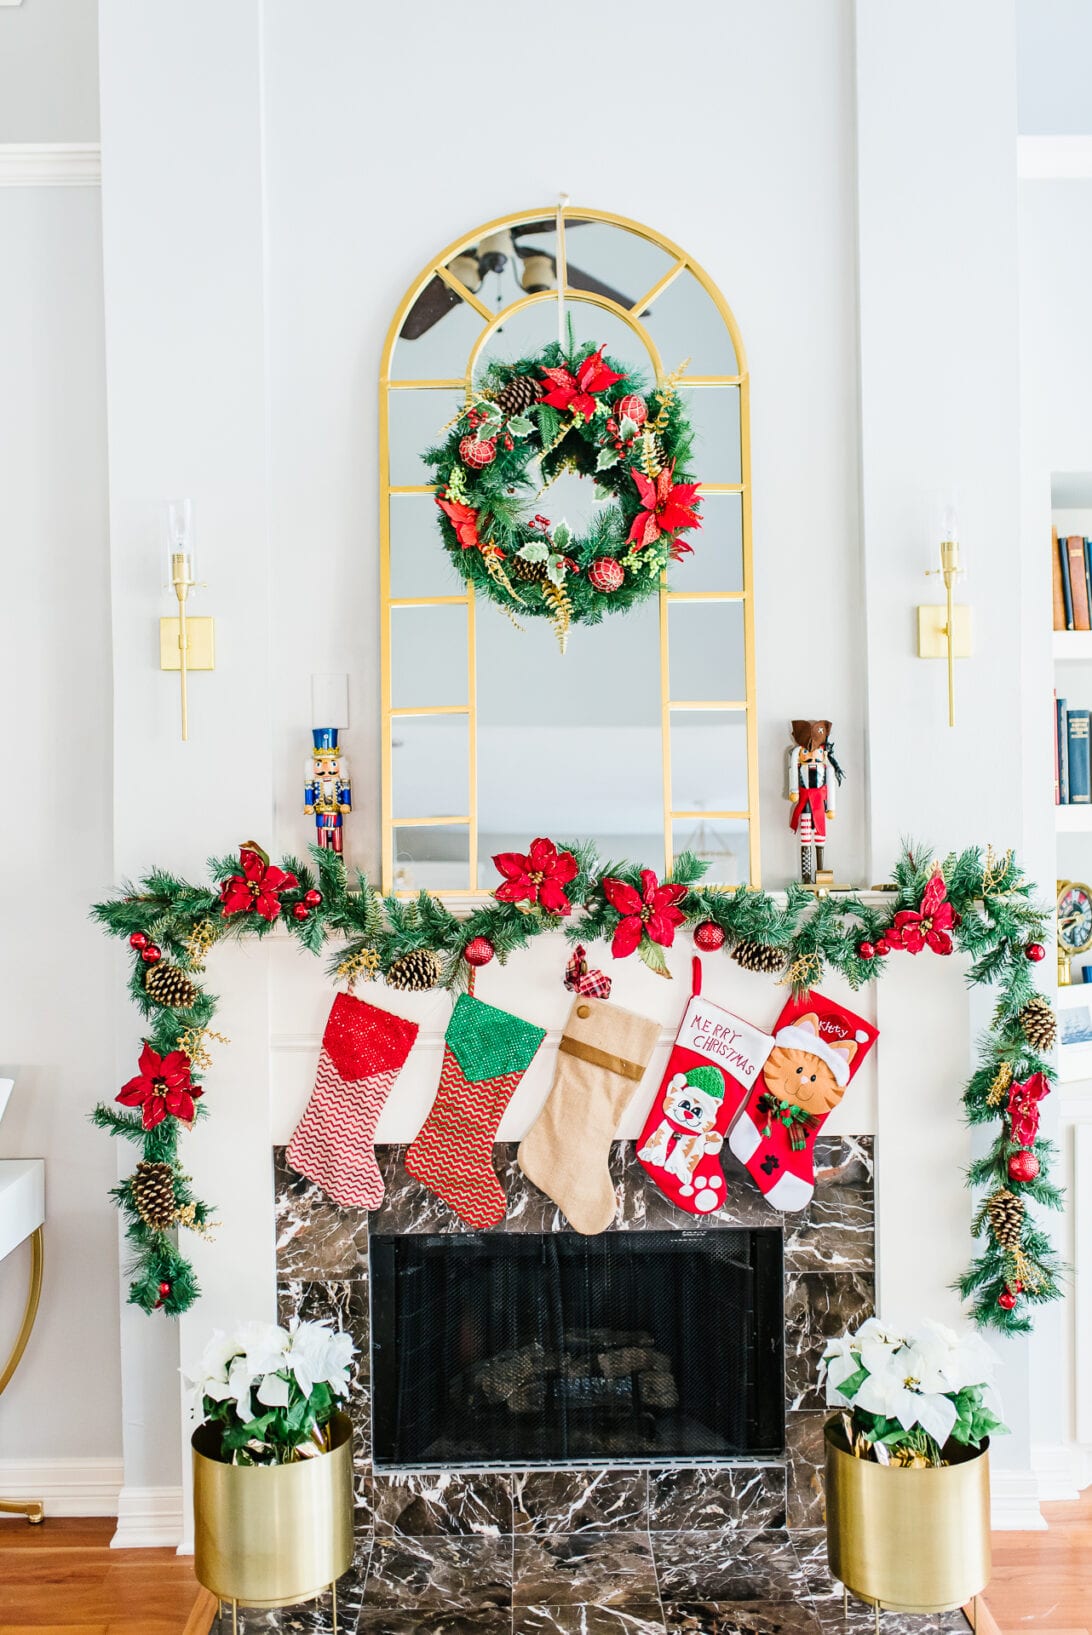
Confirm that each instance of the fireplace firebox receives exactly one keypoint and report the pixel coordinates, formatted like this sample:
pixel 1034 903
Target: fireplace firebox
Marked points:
pixel 525 1349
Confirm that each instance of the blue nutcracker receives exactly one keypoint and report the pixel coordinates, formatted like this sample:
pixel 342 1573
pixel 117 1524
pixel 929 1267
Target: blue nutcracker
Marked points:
pixel 327 794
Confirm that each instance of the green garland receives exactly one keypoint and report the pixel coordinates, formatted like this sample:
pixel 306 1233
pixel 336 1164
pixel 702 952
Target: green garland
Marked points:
pixel 524 562
pixel 996 925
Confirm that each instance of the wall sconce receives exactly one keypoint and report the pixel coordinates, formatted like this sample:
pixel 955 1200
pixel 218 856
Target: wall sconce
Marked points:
pixel 184 644
pixel 945 632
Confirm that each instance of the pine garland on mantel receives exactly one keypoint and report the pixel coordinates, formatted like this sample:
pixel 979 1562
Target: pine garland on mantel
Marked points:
pixel 972 900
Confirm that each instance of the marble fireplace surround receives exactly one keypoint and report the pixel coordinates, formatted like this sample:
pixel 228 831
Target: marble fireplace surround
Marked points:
pixel 581 1549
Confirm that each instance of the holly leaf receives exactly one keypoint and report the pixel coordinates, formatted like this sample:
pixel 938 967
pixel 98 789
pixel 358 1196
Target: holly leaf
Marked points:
pixel 562 535
pixel 600 494
pixel 520 426
pixel 607 457
pixel 556 570
pixel 653 956
pixel 628 429
pixel 535 550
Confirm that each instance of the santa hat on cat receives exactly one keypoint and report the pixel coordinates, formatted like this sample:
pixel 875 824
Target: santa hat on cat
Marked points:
pixel 803 1034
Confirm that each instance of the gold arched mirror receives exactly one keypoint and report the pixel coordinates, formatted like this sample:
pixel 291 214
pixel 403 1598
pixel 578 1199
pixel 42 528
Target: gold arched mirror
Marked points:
pixel 641 736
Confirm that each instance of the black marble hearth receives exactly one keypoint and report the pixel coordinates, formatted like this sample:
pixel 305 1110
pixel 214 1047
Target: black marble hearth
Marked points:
pixel 716 1548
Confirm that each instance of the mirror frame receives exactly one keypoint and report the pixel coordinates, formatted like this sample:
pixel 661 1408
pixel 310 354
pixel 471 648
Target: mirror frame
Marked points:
pixel 391 493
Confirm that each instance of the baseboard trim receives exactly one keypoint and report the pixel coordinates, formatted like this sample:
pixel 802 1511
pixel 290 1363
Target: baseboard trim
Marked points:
pixel 1014 1502
pixel 149 1518
pixel 50 164
pixel 67 1487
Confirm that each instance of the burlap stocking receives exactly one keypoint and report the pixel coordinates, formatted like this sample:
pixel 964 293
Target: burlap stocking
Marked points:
pixel 604 1052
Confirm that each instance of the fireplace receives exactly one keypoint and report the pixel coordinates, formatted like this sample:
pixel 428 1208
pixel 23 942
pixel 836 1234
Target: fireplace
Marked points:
pixel 529 1348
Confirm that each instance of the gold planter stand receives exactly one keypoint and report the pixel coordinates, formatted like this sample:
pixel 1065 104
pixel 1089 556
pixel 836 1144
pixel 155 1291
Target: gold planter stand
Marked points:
pixel 908 1540
pixel 272 1535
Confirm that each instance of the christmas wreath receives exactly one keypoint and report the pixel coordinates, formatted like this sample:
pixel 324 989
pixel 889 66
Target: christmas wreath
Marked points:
pixel 980 904
pixel 525 424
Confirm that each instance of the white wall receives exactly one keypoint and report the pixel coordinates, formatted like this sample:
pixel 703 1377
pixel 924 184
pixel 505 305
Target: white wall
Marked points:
pixel 57 985
pixel 1054 45
pixel 49 88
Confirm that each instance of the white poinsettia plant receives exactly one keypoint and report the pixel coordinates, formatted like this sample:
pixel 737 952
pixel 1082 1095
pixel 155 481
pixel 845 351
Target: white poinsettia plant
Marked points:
pixel 272 1391
pixel 905 1396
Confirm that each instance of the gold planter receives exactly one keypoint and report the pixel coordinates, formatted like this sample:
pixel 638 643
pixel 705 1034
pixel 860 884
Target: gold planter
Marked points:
pixel 908 1540
pixel 269 1535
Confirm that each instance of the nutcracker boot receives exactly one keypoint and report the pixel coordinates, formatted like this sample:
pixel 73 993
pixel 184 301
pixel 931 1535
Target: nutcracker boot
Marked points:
pixel 363 1051
pixel 566 1153
pixel 716 1059
pixel 818 1047
pixel 486 1053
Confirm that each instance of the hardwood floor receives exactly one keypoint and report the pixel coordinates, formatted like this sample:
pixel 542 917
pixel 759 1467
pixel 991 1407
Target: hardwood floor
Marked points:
pixel 1043 1581
pixel 62 1578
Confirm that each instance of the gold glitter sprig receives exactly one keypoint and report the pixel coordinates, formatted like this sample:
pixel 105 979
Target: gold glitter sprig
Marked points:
pixel 995 1095
pixel 802 972
pixel 359 966
pixel 193 1042
pixel 994 870
pixel 204 934
pixel 668 392
pixel 186 1215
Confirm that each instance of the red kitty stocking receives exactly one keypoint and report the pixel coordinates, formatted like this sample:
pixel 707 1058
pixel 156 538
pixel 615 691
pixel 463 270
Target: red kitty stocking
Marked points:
pixel 363 1050
pixel 715 1060
pixel 818 1047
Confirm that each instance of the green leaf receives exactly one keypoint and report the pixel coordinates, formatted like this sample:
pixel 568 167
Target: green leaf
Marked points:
pixel 601 494
pixel 562 535
pixel 653 956
pixel 556 570
pixel 549 423
pixel 520 426
pixel 607 457
pixel 628 429
pixel 535 550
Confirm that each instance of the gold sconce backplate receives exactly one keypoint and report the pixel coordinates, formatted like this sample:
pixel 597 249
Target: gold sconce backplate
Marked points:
pixel 933 632
pixel 201 644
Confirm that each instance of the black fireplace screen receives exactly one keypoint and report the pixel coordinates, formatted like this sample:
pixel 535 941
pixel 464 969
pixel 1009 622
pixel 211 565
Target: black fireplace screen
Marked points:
pixel 522 1349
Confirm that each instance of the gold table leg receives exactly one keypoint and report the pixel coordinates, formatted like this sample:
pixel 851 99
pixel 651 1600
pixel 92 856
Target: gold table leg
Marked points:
pixel 32 1509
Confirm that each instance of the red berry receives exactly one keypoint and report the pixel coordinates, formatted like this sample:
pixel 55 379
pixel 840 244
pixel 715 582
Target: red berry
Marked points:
pixel 883 946
pixel 312 898
pixel 301 911
pixel 1006 1300
pixel 1023 1166
pixel 478 951
pixel 867 950
pixel 1035 952
pixel 151 955
pixel 164 1289
pixel 138 940
pixel 1017 1287
pixel 709 936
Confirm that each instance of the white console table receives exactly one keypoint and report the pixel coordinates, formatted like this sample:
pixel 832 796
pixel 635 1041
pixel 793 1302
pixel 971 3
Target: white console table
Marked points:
pixel 22 1214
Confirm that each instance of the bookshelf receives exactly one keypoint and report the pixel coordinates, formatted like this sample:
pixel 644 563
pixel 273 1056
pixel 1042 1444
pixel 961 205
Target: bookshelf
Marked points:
pixel 1071 514
pixel 1073 647
pixel 1073 820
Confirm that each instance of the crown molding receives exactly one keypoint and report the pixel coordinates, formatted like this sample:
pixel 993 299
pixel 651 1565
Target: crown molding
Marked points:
pixel 1054 158
pixel 50 164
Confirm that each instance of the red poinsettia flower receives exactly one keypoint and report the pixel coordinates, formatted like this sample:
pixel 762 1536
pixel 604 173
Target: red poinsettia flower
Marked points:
pixel 649 912
pixel 162 1086
pixel 930 925
pixel 538 877
pixel 464 520
pixel 668 509
pixel 258 888
pixel 1024 1102
pixel 569 391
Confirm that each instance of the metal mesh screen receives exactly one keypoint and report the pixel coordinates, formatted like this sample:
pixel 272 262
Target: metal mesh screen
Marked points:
pixel 526 1349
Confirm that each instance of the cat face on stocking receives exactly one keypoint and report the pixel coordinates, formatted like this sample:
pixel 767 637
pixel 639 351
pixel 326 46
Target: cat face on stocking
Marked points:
pixel 691 1108
pixel 802 1079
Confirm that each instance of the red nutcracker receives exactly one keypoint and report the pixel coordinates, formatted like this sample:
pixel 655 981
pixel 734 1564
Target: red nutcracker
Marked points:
pixel 814 776
pixel 327 793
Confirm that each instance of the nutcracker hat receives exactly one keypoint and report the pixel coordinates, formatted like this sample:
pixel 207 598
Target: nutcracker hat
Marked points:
pixel 709 1080
pixel 325 740
pixel 798 1036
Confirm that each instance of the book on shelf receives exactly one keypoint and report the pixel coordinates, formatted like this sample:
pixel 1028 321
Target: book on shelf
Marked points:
pixel 1061 751
pixel 1078 583
pixel 1079 765
pixel 1059 596
pixel 1061 554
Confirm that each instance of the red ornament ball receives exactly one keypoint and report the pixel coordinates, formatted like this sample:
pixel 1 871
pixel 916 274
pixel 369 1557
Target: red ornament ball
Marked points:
pixel 709 936
pixel 632 408
pixel 883 946
pixel 151 955
pixel 164 1289
pixel 1006 1300
pixel 300 911
pixel 1023 1166
pixel 138 939
pixel 478 951
pixel 606 574
pixel 1035 952
pixel 867 950
pixel 312 898
pixel 473 453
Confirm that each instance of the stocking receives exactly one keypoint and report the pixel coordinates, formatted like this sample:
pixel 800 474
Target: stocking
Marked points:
pixel 818 1046
pixel 363 1050
pixel 566 1153
pixel 486 1053
pixel 715 1060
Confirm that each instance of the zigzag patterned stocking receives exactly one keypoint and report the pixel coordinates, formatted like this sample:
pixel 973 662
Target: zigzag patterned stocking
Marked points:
pixel 486 1053
pixel 363 1051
